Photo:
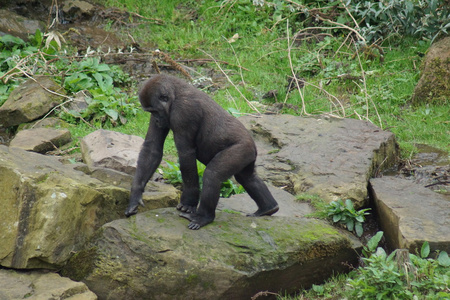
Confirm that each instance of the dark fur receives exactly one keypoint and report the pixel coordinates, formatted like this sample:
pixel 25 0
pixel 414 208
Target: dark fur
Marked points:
pixel 202 130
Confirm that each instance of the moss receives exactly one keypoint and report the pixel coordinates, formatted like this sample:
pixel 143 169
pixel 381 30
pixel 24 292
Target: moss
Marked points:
pixel 42 178
pixel 434 86
pixel 274 151
pixel 192 279
pixel 81 264
pixel 230 211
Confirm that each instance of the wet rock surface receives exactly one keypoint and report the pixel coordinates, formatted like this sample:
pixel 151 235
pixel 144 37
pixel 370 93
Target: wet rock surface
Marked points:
pixel 17 25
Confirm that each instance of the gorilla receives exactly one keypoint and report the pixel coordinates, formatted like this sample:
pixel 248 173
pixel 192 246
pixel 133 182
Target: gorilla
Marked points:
pixel 203 131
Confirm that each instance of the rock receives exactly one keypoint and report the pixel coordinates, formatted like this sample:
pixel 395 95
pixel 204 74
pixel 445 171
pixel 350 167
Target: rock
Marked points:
pixel 333 158
pixel 12 23
pixel 79 104
pixel 41 140
pixel 50 122
pixel 289 206
pixel 110 149
pixel 154 256
pixel 410 214
pixel 30 101
pixel 156 194
pixel 434 84
pixel 41 285
pixel 76 10
pixel 50 210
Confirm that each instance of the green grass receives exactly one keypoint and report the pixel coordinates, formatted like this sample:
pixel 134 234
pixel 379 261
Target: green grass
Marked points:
pixel 258 61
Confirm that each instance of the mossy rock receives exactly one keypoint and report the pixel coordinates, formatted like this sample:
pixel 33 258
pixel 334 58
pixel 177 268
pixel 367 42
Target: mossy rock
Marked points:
pixel 434 85
pixel 154 256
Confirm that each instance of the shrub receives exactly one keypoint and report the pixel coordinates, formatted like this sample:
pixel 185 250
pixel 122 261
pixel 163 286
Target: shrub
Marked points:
pixel 402 275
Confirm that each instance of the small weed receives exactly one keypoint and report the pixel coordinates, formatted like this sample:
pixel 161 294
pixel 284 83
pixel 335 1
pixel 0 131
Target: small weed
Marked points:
pixel 172 174
pixel 346 214
pixel 230 211
pixel 317 202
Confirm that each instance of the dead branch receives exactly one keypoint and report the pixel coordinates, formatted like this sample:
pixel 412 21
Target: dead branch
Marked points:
pixel 166 58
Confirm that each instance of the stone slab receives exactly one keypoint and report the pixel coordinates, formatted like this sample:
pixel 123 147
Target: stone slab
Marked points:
pixel 410 214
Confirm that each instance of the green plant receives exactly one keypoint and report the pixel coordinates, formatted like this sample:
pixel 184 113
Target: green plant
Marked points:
pixel 172 175
pixel 317 202
pixel 346 214
pixel 380 19
pixel 402 276
pixel 102 82
pixel 372 244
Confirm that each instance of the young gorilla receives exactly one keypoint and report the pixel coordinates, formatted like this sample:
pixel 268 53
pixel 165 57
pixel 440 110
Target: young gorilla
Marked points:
pixel 202 130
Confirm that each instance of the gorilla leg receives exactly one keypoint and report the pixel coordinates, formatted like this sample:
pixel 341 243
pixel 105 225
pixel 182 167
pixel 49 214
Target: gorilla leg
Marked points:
pixel 219 169
pixel 258 190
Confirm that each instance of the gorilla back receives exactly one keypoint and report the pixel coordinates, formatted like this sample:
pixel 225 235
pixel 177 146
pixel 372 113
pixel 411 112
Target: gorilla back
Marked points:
pixel 202 130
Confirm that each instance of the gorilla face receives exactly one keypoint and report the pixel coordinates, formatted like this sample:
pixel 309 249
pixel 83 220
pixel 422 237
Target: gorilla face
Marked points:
pixel 158 102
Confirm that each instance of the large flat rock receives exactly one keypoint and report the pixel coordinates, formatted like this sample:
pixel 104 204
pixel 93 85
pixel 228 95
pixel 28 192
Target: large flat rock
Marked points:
pixel 153 255
pixel 333 158
pixel 410 214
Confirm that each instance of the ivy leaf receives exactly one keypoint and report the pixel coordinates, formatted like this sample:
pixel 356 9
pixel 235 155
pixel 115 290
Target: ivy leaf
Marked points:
pixel 113 114
pixel 337 218
pixel 359 229
pixel 443 259
pixel 350 224
pixel 372 244
pixel 425 250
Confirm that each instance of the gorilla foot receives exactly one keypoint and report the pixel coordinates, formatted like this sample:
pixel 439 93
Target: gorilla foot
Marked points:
pixel 264 212
pixel 132 209
pixel 196 220
pixel 186 208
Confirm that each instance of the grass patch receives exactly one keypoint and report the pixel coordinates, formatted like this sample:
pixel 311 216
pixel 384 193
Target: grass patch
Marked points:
pixel 338 79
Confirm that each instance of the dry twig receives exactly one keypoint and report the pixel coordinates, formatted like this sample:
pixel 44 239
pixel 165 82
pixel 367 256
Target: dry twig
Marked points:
pixel 229 80
pixel 166 58
pixel 293 72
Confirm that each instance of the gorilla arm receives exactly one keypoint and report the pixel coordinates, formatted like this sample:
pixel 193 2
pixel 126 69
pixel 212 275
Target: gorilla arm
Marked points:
pixel 149 159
